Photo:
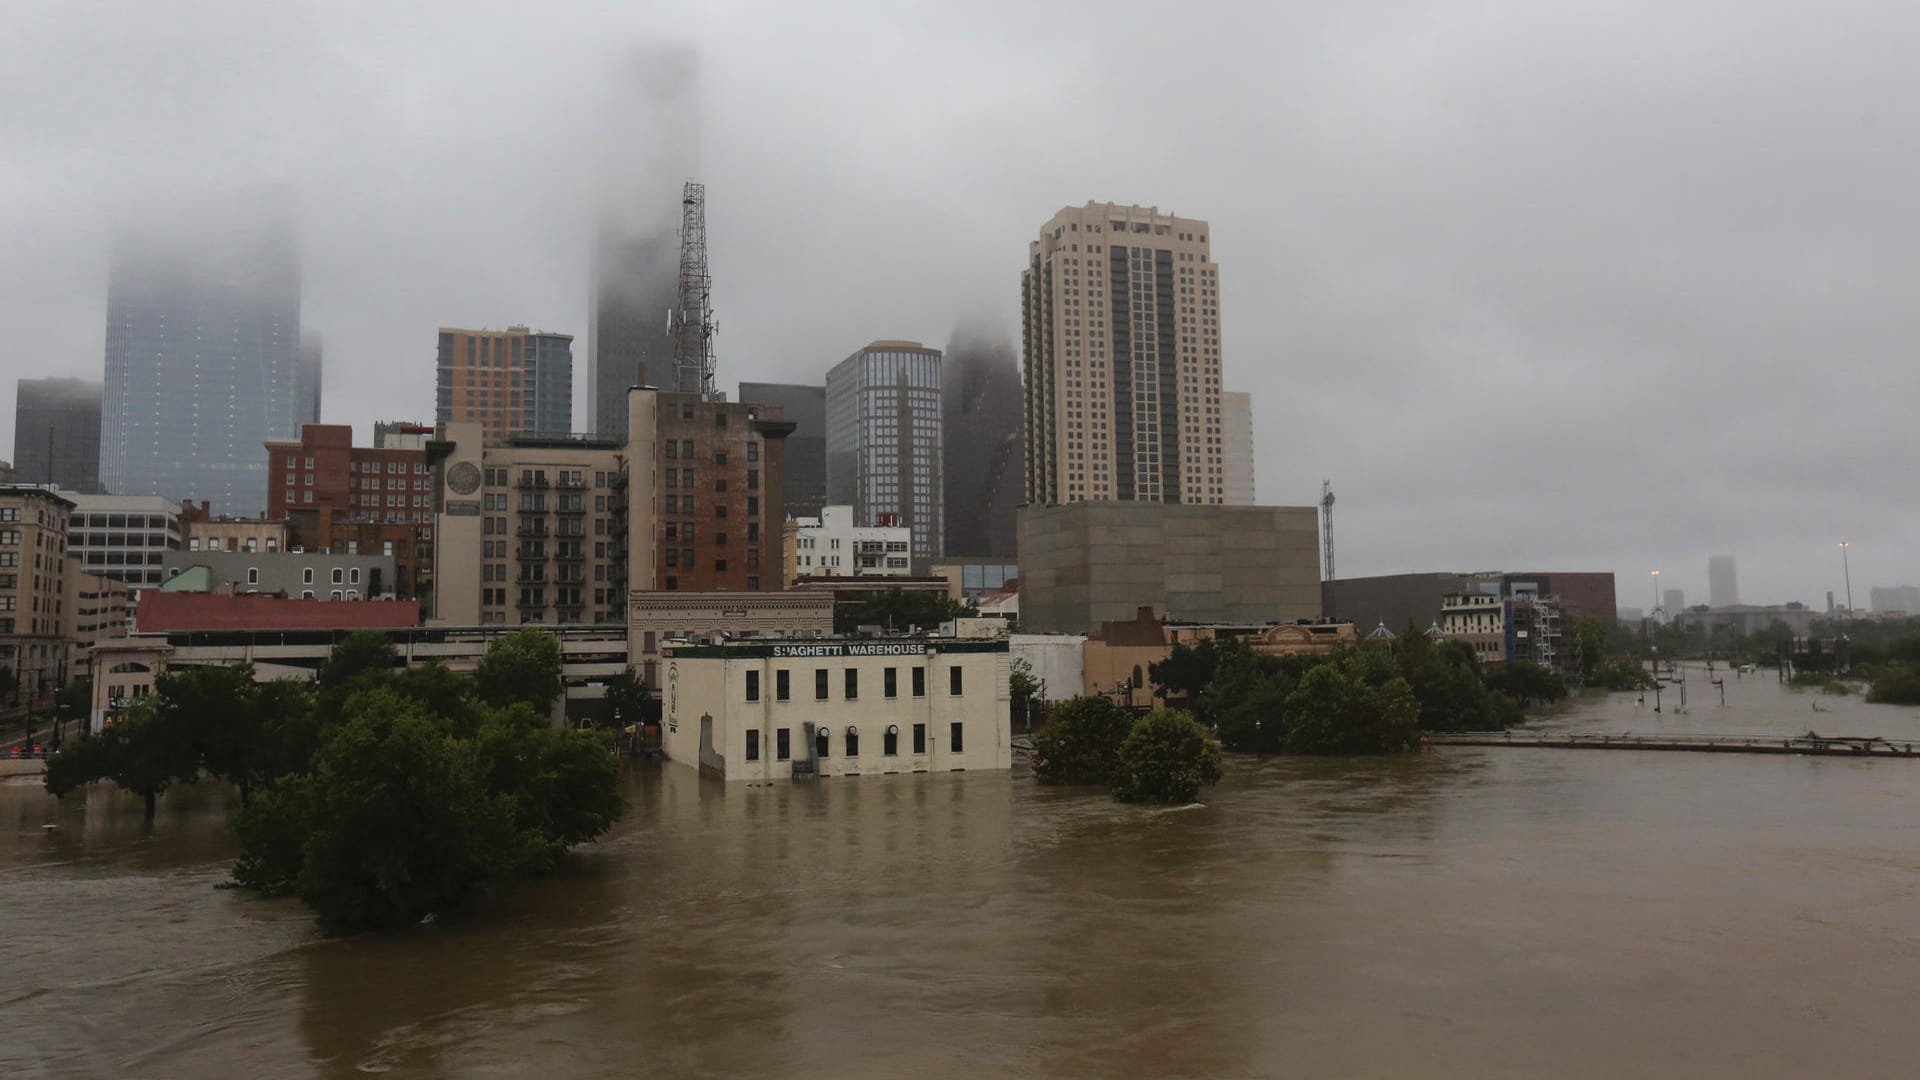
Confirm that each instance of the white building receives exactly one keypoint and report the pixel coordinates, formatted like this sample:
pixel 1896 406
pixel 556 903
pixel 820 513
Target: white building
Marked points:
pixel 843 707
pixel 124 537
pixel 1059 661
pixel 1236 446
pixel 831 545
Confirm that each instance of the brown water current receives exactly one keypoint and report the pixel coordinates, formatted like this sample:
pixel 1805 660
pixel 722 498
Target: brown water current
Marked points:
pixel 1465 912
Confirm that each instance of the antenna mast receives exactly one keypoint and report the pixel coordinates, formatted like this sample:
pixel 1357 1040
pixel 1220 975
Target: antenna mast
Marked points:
pixel 1326 538
pixel 692 321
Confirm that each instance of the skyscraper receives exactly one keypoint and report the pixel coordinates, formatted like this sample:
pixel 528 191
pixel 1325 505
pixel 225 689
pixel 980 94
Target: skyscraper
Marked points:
pixel 980 412
pixel 56 433
pixel 1236 446
pixel 1122 358
pixel 310 367
pixel 649 125
pixel 1674 600
pixel 884 441
pixel 507 381
pixel 804 474
pixel 1722 586
pixel 202 358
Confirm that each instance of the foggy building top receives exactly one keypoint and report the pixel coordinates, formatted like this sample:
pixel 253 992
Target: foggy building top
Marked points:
pixel 983 475
pixel 202 359
pixel 56 433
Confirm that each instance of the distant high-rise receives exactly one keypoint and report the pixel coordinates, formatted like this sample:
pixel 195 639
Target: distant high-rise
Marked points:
pixel 1122 358
pixel 1890 598
pixel 1236 446
pixel 1674 601
pixel 1723 588
pixel 982 467
pixel 649 134
pixel 202 358
pixel 56 433
pixel 507 381
pixel 883 439
pixel 310 371
pixel 803 479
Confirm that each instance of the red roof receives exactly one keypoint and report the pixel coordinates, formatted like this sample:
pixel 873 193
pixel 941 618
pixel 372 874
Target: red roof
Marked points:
pixel 161 611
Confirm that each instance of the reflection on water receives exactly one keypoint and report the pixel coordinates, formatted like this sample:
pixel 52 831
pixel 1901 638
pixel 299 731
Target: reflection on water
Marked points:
pixel 1466 912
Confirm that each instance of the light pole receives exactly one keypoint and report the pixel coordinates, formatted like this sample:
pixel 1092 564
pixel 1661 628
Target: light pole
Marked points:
pixel 1848 571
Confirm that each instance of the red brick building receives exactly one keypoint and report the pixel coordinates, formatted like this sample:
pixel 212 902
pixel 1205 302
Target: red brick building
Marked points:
pixel 338 497
pixel 709 515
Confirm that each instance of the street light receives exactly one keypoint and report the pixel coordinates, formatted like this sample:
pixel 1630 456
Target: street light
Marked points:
pixel 1656 593
pixel 1848 571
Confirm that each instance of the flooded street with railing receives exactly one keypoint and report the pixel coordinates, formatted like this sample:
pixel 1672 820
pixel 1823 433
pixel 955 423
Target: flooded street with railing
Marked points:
pixel 1466 912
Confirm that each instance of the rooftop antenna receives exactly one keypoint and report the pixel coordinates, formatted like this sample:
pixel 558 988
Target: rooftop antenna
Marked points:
pixel 692 321
pixel 1326 538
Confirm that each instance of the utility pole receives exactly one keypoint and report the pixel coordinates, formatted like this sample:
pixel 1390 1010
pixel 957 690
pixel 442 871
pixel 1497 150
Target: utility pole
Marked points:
pixel 1848 571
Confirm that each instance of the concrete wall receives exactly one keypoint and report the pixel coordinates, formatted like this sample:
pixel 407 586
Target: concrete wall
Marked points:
pixel 1086 563
pixel 1392 599
pixel 1058 661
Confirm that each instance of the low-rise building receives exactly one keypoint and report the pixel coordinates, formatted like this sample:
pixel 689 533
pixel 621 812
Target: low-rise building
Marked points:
pixel 831 545
pixel 1524 626
pixel 772 710
pixel 205 532
pixel 124 536
pixel 348 499
pixel 95 610
pixel 970 579
pixel 1085 563
pixel 655 618
pixel 163 612
pixel 1121 654
pixel 312 575
pixel 1398 600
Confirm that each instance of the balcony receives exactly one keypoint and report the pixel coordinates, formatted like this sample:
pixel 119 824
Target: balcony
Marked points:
pixel 524 579
pixel 531 483
pixel 532 528
pixel 571 485
pixel 571 508
pixel 530 554
pixel 619 482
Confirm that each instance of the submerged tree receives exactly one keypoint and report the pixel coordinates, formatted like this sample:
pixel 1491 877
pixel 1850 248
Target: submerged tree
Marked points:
pixel 1167 757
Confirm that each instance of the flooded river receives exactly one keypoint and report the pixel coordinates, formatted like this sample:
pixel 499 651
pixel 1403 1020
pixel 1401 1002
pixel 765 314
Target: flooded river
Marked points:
pixel 1467 912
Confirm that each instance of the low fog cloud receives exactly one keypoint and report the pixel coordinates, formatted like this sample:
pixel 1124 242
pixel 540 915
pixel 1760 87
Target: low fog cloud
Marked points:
pixel 1537 285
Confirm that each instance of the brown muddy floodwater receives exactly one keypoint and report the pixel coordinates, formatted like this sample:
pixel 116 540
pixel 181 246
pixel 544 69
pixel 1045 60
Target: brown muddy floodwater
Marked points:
pixel 1466 912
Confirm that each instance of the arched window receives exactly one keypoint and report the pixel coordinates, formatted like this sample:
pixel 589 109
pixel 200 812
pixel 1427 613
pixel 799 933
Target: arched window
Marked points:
pixel 820 741
pixel 853 741
pixel 890 742
pixel 1137 683
pixel 127 667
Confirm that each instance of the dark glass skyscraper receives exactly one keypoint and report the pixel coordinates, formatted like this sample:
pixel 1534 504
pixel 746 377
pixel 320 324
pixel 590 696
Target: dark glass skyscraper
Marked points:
pixel 56 433
pixel 803 479
pixel 310 365
pixel 985 476
pixel 636 281
pixel 203 360
pixel 883 439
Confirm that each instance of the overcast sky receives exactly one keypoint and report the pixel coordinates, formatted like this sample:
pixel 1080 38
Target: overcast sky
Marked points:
pixel 1567 285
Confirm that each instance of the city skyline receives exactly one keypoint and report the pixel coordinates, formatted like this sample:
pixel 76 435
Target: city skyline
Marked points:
pixel 1425 262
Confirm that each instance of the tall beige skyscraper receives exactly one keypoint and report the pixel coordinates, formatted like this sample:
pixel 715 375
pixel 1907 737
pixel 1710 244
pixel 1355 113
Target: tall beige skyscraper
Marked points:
pixel 1122 358
pixel 1236 445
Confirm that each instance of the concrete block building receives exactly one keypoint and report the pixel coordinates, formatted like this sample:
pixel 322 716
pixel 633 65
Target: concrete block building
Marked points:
pixel 311 575
pixel 1083 564
pixel 837 708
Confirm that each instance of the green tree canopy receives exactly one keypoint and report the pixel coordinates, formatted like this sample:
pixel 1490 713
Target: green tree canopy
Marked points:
pixel 520 668
pixel 144 752
pixel 899 609
pixel 1351 708
pixel 1081 742
pixel 1167 757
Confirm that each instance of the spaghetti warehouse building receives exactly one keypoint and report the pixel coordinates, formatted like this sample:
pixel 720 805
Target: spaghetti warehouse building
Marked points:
pixel 852 707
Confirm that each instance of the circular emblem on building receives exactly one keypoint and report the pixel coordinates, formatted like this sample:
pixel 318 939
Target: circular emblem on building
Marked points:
pixel 464 478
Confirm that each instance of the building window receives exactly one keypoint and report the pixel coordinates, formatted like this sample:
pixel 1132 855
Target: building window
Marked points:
pixel 890 682
pixel 339 576
pixel 753 686
pixel 919 682
pixel 334 595
pixel 306 577
pixel 782 748
pixel 853 741
pixel 780 692
pixel 819 684
pixel 953 680
pixel 253 575
pixel 353 576
pixel 820 741
pixel 853 684
pixel 954 733
pixel 890 742
pixel 919 737
pixel 753 745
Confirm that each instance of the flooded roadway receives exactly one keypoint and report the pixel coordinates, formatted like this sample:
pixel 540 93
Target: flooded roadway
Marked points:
pixel 1467 912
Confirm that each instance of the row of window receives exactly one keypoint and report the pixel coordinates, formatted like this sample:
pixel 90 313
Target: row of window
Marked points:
pixel 850 683
pixel 850 741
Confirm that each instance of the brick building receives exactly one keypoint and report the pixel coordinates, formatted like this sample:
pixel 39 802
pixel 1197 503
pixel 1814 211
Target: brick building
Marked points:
pixel 347 499
pixel 33 572
pixel 705 487
pixel 507 381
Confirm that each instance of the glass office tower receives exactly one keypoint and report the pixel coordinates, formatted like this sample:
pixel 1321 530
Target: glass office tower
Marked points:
pixel 884 440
